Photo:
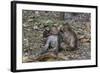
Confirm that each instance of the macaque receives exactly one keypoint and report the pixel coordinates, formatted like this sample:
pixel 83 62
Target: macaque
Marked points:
pixel 46 33
pixel 59 39
pixel 67 38
pixel 52 40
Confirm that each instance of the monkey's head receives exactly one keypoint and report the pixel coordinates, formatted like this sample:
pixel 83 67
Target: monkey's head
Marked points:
pixel 54 30
pixel 66 27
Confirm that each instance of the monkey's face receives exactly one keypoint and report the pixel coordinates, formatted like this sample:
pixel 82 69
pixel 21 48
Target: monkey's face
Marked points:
pixel 65 28
pixel 54 30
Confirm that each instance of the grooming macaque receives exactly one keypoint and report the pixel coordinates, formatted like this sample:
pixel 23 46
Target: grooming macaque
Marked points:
pixel 62 38
pixel 52 40
pixel 67 38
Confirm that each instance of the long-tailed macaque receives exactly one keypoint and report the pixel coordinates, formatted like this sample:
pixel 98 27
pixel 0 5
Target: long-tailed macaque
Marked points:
pixel 67 38
pixel 61 39
pixel 52 40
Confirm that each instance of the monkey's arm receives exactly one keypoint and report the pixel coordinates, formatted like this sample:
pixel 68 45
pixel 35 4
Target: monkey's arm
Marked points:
pixel 47 43
pixel 45 47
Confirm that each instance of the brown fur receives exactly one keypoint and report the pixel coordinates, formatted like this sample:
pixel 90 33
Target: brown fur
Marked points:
pixel 69 38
